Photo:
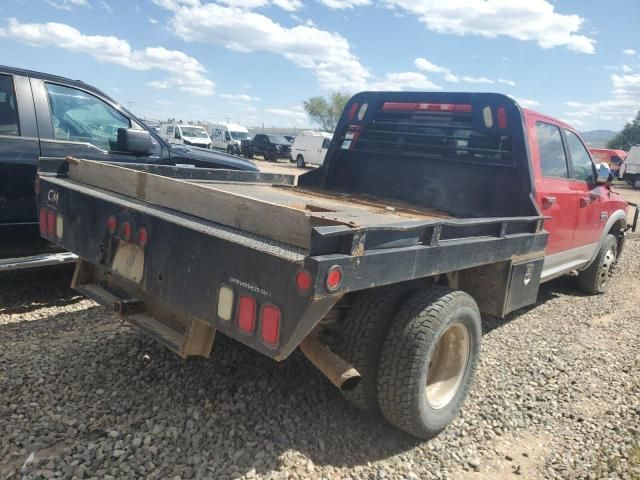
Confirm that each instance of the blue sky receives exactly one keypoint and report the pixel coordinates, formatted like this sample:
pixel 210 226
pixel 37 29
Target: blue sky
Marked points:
pixel 255 61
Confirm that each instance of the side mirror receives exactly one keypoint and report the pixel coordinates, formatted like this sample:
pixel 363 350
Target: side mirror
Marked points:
pixel 134 141
pixel 604 174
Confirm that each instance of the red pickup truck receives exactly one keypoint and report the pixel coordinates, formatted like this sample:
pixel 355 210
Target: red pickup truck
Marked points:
pixel 376 265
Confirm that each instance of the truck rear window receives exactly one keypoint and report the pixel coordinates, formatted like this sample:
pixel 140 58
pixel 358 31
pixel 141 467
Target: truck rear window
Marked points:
pixel 447 135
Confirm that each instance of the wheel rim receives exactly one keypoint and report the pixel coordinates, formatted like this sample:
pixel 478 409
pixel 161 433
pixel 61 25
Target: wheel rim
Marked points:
pixel 636 184
pixel 605 269
pixel 447 365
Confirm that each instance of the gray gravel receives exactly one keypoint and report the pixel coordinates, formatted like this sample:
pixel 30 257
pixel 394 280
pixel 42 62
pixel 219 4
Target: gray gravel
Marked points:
pixel 83 396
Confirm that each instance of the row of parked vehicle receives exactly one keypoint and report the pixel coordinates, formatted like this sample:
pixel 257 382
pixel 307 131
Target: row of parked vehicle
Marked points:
pixel 309 147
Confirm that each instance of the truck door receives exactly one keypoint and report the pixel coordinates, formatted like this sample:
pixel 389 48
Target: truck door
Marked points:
pixel 76 122
pixel 554 191
pixel 591 214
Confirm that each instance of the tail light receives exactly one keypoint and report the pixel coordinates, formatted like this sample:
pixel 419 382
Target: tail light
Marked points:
pixel 502 117
pixel 143 237
pixel 304 281
pixel 51 223
pixel 112 224
pixel 334 278
pixel 352 136
pixel 126 231
pixel 247 314
pixel 270 324
pixel 43 221
pixel 36 185
pixel 352 111
pixel 426 107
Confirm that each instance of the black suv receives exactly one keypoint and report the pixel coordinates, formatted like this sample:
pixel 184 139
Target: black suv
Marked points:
pixel 271 147
pixel 44 115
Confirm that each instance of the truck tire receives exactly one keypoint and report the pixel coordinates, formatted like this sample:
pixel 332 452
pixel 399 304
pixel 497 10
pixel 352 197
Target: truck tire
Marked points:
pixel 361 337
pixel 428 360
pixel 271 156
pixel 229 150
pixel 300 161
pixel 636 183
pixel 594 280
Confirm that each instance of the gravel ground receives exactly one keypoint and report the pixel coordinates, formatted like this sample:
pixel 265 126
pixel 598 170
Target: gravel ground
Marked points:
pixel 82 395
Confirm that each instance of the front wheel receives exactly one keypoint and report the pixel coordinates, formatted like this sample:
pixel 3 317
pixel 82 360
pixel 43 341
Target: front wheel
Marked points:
pixel 300 161
pixel 271 156
pixel 595 279
pixel 636 184
pixel 428 360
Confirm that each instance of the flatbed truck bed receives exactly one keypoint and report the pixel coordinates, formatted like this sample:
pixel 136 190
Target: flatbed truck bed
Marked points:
pixel 183 253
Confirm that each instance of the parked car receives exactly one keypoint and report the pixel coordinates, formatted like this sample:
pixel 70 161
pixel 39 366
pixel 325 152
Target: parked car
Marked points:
pixel 613 158
pixel 271 147
pixel 630 170
pixel 228 137
pixel 310 147
pixel 44 115
pixel 290 138
pixel 429 209
pixel 186 134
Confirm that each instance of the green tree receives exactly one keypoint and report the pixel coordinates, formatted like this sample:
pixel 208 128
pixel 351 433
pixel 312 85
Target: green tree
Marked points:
pixel 628 137
pixel 326 111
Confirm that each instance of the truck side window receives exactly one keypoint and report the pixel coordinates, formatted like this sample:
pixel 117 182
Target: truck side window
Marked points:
pixel 580 159
pixel 80 117
pixel 8 107
pixel 170 130
pixel 553 161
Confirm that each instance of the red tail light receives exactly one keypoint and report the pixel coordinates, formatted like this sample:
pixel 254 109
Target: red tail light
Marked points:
pixel 352 111
pixel 126 231
pixel 353 134
pixel 36 185
pixel 51 223
pixel 270 324
pixel 304 281
pixel 334 278
pixel 247 314
pixel 426 107
pixel 143 237
pixel 112 224
pixel 502 117
pixel 43 221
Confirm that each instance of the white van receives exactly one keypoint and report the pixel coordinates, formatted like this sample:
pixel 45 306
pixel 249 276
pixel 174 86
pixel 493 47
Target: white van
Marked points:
pixel 630 168
pixel 310 147
pixel 228 136
pixel 194 135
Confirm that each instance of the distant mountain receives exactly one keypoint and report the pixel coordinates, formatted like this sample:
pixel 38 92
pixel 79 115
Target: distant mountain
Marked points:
pixel 598 138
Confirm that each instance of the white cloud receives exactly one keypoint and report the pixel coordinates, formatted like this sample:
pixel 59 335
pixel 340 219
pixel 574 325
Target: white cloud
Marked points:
pixel 629 51
pixel 68 4
pixel 185 72
pixel 325 53
pixel 626 68
pixel 404 81
pixel 620 107
pixel 344 4
pixel 427 66
pixel 239 97
pixel 288 5
pixel 533 20
pixel 153 21
pixel 292 112
pixel 106 6
pixel 527 102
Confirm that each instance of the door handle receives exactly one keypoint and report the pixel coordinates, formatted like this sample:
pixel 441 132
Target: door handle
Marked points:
pixel 584 201
pixel 548 201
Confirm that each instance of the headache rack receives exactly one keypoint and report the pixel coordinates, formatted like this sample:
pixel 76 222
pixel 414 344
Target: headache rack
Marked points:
pixel 446 134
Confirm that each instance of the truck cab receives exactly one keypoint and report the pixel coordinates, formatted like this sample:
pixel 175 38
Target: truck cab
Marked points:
pixel 44 115
pixel 580 211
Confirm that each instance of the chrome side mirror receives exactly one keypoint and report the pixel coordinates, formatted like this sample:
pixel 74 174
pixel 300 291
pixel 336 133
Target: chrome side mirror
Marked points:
pixel 604 174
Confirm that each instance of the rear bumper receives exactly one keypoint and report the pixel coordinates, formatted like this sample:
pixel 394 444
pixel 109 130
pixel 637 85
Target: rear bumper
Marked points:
pixel 42 260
